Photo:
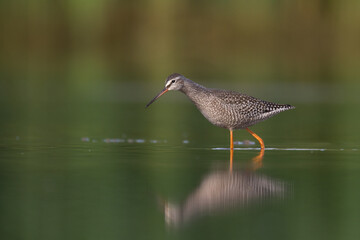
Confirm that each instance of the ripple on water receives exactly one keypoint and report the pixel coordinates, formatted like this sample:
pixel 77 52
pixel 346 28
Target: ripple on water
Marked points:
pixel 289 149
pixel 128 140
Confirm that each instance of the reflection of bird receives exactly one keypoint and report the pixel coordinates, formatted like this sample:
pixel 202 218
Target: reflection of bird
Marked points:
pixel 223 108
pixel 222 190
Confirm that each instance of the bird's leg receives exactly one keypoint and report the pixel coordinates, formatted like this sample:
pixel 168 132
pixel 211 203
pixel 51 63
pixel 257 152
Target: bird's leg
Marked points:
pixel 231 149
pixel 231 140
pixel 257 137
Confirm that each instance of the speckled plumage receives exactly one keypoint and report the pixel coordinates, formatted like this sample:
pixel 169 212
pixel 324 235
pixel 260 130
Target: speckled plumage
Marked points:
pixel 229 109
pixel 226 109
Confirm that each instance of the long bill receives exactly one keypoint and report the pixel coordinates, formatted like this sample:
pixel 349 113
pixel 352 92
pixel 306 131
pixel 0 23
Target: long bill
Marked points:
pixel 157 96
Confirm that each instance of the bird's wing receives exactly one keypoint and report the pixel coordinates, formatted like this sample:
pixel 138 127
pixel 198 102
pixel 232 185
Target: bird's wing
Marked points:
pixel 247 104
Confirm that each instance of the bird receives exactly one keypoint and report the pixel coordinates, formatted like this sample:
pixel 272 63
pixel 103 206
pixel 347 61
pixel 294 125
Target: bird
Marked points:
pixel 224 108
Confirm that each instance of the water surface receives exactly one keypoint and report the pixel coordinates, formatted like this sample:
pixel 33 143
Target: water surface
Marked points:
pixel 118 171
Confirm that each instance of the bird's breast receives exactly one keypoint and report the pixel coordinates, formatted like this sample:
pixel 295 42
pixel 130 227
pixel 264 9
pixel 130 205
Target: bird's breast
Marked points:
pixel 216 112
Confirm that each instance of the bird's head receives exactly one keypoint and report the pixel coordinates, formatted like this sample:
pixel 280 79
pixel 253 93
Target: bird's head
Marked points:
pixel 173 82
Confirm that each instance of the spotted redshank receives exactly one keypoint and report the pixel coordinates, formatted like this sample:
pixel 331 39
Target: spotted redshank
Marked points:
pixel 223 108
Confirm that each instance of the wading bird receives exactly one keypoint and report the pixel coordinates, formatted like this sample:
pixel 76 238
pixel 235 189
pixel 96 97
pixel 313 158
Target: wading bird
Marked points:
pixel 223 108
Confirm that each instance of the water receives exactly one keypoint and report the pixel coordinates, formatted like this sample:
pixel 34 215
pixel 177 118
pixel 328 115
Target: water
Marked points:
pixel 81 158
pixel 118 171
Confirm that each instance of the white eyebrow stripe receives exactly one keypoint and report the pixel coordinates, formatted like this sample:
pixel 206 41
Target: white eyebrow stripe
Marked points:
pixel 170 82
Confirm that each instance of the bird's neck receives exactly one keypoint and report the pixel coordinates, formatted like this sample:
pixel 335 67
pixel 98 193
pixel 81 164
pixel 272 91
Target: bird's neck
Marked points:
pixel 192 89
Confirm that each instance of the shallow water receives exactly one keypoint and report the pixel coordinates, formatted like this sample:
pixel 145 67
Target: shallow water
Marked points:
pixel 118 171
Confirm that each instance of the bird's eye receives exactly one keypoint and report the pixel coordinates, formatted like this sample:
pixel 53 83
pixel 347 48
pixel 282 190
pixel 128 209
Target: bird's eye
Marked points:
pixel 172 81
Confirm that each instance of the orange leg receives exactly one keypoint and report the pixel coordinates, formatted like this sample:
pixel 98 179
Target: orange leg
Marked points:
pixel 257 137
pixel 231 149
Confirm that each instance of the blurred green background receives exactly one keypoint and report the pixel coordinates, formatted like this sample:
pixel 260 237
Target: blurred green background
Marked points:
pixel 73 73
pixel 113 50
